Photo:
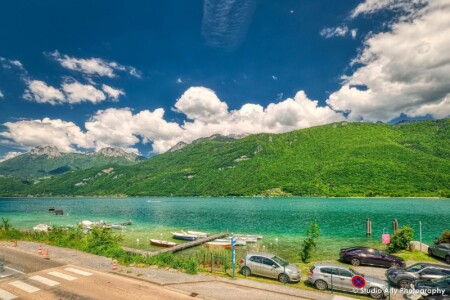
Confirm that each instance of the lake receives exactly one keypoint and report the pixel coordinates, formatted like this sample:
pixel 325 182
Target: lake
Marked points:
pixel 281 221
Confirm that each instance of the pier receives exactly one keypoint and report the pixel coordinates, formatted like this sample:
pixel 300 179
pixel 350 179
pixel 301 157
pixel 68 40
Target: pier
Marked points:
pixel 176 248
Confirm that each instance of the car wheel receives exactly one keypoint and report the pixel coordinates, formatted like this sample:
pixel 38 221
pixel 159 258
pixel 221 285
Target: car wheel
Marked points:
pixel 355 261
pixel 405 283
pixel 376 293
pixel 430 252
pixel 283 278
pixel 246 271
pixel 321 285
pixel 447 259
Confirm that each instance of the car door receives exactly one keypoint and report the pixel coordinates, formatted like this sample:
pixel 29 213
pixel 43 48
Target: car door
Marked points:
pixel 345 280
pixel 269 268
pixel 377 258
pixel 255 265
pixel 430 273
pixel 442 250
pixel 331 277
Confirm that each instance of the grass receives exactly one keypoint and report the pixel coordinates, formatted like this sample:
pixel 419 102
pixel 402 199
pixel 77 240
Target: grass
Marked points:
pixel 416 256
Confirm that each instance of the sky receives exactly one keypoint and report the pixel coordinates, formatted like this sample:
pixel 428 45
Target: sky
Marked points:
pixel 144 75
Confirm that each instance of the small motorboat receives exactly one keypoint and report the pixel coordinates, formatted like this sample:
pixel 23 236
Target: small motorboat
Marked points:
pixel 184 236
pixel 51 209
pixel 59 212
pixel 198 233
pixel 216 244
pixel 160 243
pixel 41 228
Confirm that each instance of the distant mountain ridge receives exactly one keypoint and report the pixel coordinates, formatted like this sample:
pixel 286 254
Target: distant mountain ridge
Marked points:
pixel 44 161
pixel 339 159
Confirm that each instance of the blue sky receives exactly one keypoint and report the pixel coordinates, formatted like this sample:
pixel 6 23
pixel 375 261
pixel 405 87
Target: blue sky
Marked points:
pixel 143 75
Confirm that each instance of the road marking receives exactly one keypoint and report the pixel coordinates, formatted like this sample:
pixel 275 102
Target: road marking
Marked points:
pixel 4 295
pixel 44 280
pixel 14 270
pixel 62 275
pixel 24 286
pixel 76 271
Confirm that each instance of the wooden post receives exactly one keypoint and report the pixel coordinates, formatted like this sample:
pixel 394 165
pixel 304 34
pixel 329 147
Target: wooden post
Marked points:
pixel 212 263
pixel 368 227
pixel 394 225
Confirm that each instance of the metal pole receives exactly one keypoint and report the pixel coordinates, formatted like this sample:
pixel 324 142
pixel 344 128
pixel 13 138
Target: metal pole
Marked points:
pixel 420 223
pixel 389 289
pixel 233 255
pixel 331 282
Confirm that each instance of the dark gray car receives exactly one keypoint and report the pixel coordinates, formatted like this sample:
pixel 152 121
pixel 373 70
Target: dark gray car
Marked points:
pixel 441 250
pixel 404 277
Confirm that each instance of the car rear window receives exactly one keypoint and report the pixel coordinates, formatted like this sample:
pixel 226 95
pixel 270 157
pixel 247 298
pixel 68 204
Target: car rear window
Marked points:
pixel 329 271
pixel 257 259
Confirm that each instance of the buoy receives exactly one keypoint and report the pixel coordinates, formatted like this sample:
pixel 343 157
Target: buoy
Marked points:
pixel 40 250
pixel 46 254
pixel 114 265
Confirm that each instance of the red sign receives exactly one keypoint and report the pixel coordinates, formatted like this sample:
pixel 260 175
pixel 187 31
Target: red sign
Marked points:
pixel 385 238
pixel 358 281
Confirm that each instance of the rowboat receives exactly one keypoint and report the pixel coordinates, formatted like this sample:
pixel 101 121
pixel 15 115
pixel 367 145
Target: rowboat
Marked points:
pixel 248 236
pixel 216 244
pixel 238 242
pixel 184 236
pixel 162 243
pixel 198 233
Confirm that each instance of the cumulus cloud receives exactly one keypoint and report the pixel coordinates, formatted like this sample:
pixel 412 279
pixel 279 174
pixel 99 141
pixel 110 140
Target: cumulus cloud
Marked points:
pixel 40 92
pixel 206 115
pixel 403 71
pixel 93 66
pixel 225 23
pixel 372 6
pixel 77 92
pixel 179 80
pixel 10 155
pixel 46 132
pixel 1 95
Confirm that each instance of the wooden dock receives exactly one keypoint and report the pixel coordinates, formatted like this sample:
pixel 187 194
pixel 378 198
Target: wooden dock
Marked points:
pixel 177 247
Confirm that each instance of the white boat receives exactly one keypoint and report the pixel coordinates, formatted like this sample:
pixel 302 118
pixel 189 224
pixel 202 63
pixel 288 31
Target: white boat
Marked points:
pixel 238 242
pixel 117 226
pixel 198 233
pixel 42 228
pixel 249 236
pixel 215 244
pixel 86 223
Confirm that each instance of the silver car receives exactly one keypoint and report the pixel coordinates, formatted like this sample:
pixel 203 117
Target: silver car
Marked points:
pixel 327 276
pixel 269 265
pixel 441 250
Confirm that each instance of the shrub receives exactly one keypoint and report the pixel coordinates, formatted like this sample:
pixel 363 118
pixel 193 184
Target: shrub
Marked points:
pixel 400 240
pixel 445 238
pixel 310 243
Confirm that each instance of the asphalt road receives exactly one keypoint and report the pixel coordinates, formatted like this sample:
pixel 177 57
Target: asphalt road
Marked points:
pixel 38 278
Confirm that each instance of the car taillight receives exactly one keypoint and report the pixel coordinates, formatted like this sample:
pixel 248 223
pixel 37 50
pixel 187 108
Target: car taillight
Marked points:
pixel 311 272
pixel 242 261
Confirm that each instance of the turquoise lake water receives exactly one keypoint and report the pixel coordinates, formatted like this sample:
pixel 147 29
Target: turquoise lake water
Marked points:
pixel 281 221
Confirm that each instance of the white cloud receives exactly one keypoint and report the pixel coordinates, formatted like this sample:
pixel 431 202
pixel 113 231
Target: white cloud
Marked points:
pixel 112 92
pixel 201 104
pixel 1 95
pixel 274 77
pixel 40 92
pixel 330 32
pixel 46 132
pixel 405 70
pixel 372 6
pixel 179 80
pixel 93 66
pixel 77 92
pixel 10 155
pixel 207 115
pixel 353 33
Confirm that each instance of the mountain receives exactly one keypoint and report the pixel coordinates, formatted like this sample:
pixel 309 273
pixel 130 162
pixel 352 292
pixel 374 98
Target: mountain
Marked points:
pixel 339 159
pixel 46 161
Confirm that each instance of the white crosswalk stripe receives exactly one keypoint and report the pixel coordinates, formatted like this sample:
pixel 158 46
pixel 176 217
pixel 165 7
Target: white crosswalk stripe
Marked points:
pixel 24 286
pixel 76 271
pixel 5 295
pixel 62 275
pixel 44 280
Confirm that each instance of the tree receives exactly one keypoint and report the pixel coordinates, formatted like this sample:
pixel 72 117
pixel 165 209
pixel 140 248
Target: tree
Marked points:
pixel 445 238
pixel 5 225
pixel 400 239
pixel 310 243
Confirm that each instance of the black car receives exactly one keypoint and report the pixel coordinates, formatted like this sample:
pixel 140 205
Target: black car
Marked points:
pixel 404 277
pixel 433 288
pixel 370 256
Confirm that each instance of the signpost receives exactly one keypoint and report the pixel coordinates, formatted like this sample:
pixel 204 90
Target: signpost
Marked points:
pixel 233 255
pixel 358 281
pixel 420 224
